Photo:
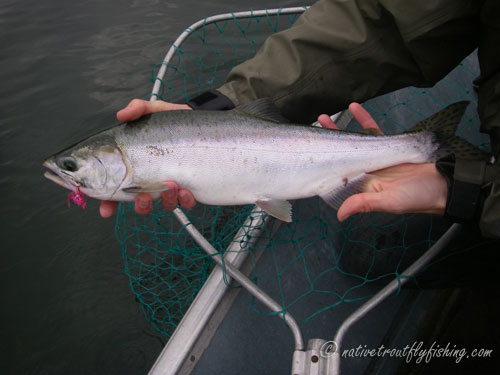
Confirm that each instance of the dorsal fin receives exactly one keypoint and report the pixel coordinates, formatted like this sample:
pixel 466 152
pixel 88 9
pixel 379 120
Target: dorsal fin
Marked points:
pixel 264 109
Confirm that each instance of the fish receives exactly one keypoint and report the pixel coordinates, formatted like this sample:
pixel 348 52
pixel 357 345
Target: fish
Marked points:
pixel 248 155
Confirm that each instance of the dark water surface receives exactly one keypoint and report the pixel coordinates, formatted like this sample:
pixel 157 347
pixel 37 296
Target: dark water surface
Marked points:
pixel 66 67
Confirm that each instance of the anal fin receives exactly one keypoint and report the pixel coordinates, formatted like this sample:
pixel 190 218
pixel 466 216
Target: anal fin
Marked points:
pixel 337 196
pixel 280 209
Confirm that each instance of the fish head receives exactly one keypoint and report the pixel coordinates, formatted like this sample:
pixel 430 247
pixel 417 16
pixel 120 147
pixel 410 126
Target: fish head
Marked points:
pixel 95 168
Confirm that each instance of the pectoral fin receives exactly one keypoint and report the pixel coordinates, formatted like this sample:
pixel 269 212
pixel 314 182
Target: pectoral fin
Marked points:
pixel 280 209
pixel 337 196
pixel 152 188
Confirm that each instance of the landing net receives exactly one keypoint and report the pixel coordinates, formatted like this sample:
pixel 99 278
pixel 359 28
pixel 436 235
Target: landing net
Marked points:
pixel 305 259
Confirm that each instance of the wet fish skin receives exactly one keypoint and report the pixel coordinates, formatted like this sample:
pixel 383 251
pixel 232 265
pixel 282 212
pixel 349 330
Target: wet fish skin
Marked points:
pixel 233 158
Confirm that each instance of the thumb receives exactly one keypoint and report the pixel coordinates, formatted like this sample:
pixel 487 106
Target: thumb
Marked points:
pixel 135 109
pixel 364 202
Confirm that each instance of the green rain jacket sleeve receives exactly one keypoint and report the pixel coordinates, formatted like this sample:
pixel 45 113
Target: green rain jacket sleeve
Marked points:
pixel 344 51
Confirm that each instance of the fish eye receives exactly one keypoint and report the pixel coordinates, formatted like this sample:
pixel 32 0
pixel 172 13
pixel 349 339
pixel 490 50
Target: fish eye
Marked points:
pixel 69 164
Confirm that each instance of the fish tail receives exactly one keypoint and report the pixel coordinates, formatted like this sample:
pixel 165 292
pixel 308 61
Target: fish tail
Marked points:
pixel 443 123
pixel 443 126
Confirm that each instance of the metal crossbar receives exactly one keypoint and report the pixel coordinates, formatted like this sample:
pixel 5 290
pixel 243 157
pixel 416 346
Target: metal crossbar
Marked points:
pixel 206 21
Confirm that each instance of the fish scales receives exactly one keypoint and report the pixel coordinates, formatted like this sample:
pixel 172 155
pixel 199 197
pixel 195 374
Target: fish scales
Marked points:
pixel 236 159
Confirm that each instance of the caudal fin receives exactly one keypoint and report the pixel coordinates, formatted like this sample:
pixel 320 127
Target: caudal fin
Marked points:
pixel 443 125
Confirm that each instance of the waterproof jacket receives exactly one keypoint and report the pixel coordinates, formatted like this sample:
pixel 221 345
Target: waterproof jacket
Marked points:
pixel 343 51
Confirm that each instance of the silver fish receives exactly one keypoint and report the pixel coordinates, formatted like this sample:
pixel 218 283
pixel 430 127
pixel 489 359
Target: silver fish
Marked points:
pixel 240 157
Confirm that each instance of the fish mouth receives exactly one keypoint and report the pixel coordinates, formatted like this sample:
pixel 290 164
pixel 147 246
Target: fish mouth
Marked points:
pixel 58 177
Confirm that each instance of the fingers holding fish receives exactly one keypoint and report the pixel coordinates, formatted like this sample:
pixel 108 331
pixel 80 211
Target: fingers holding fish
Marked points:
pixel 175 196
pixel 400 189
pixel 186 199
pixel 326 122
pixel 138 107
pixel 107 208
pixel 143 204
pixel 360 114
pixel 364 118
pixel 169 197
pixel 364 202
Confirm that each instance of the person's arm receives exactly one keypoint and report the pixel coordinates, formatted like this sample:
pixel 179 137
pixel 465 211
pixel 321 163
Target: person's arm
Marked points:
pixel 340 52
pixel 474 186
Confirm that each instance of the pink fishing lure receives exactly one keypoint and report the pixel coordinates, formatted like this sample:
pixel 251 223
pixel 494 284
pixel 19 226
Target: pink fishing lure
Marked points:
pixel 78 198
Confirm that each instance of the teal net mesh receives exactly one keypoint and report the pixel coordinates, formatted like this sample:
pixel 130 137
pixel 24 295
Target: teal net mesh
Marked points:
pixel 310 265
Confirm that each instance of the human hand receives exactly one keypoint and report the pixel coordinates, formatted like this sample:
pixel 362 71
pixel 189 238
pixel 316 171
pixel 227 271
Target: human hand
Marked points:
pixel 143 202
pixel 403 188
pixel 138 107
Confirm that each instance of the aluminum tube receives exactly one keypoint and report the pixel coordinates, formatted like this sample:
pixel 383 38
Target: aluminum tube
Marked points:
pixel 241 278
pixel 390 289
pixel 195 319
pixel 212 19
